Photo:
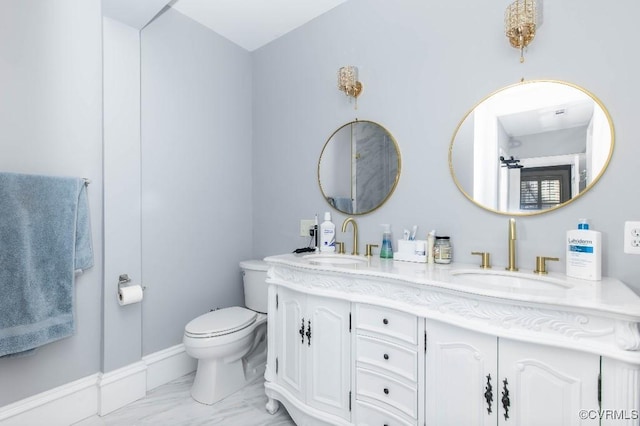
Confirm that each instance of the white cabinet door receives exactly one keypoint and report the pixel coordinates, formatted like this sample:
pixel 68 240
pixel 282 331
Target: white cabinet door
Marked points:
pixel 478 379
pixel 314 350
pixel 546 385
pixel 329 355
pixel 289 322
pixel 461 376
pixel 620 393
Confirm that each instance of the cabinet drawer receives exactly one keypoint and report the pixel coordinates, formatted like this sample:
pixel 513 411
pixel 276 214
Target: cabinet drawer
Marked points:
pixel 388 356
pixel 370 415
pixel 372 385
pixel 387 321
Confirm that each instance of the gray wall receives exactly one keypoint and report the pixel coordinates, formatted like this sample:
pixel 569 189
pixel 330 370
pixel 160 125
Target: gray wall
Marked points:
pixel 196 163
pixel 51 123
pixel 122 331
pixel 421 73
pixel 196 174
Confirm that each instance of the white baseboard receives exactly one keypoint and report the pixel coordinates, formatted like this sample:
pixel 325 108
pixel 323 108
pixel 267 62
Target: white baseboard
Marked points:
pixel 61 406
pixel 99 393
pixel 121 387
pixel 167 365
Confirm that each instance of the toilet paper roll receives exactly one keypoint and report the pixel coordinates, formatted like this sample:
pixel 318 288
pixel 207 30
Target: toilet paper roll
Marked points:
pixel 129 294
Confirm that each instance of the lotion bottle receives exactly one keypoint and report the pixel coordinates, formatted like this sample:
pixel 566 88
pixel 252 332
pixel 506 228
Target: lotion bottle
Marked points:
pixel 584 256
pixel 327 235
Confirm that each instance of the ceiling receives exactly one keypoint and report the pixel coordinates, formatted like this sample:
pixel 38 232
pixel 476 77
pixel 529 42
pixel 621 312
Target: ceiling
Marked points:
pixel 253 23
pixel 551 118
pixel 135 14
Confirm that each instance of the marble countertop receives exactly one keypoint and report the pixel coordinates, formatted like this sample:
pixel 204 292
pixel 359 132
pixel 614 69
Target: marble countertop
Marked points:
pixel 610 296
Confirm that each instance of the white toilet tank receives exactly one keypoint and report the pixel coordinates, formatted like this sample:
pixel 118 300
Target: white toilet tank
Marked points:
pixel 254 276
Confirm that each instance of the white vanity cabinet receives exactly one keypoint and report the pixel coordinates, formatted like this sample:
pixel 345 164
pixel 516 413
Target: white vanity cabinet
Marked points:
pixel 388 365
pixel 391 343
pixel 487 380
pixel 313 350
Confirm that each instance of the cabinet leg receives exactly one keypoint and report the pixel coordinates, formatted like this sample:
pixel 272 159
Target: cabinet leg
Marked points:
pixel 272 405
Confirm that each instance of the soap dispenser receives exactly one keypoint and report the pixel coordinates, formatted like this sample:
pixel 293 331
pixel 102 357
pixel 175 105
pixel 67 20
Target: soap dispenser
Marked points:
pixel 386 250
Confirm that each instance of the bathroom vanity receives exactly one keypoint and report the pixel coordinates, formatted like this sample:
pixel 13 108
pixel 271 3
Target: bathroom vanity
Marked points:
pixel 369 341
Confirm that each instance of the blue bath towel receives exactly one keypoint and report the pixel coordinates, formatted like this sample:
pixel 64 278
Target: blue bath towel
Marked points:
pixel 45 237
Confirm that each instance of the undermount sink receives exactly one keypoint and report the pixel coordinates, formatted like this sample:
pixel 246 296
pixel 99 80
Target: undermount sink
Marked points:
pixel 507 280
pixel 335 259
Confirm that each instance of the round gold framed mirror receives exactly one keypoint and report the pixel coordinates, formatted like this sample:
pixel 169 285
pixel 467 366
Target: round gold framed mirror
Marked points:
pixel 531 147
pixel 359 167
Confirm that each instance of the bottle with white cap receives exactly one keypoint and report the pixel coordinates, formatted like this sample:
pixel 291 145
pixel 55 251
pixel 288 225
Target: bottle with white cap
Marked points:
pixel 327 235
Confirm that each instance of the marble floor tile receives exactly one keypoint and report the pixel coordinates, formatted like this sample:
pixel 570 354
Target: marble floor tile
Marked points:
pixel 171 405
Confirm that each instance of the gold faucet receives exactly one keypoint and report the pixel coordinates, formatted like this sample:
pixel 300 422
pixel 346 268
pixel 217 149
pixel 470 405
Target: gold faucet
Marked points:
pixel 352 221
pixel 512 246
pixel 486 259
pixel 541 264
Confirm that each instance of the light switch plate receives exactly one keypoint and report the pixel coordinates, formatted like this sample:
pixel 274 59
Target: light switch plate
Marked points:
pixel 632 237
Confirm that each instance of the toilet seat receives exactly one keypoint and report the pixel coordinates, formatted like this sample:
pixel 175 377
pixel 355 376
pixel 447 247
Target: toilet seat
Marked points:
pixel 220 322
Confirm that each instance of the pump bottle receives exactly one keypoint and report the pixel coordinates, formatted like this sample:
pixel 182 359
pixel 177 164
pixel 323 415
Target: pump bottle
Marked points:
pixel 584 252
pixel 386 250
pixel 327 235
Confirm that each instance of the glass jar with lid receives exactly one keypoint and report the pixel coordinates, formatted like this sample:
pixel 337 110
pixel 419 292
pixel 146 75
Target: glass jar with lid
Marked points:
pixel 442 250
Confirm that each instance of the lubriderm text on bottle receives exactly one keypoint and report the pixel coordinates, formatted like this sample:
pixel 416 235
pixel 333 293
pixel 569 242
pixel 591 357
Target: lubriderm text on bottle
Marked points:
pixel 584 253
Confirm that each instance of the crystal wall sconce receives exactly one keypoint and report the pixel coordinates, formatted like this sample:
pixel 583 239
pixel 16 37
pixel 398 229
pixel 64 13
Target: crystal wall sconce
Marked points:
pixel 348 82
pixel 520 23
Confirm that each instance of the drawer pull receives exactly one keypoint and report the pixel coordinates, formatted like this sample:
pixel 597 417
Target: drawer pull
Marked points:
pixel 385 356
pixel 301 331
pixel 385 321
pixel 386 391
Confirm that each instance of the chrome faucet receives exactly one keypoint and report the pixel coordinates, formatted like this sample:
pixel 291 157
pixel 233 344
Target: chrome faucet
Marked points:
pixel 512 246
pixel 352 221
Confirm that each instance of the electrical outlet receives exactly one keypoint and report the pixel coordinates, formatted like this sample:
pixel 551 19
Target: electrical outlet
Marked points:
pixel 305 225
pixel 632 237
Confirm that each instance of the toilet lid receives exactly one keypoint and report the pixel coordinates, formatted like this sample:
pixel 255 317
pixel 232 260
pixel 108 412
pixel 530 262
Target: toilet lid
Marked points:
pixel 222 321
pixel 254 265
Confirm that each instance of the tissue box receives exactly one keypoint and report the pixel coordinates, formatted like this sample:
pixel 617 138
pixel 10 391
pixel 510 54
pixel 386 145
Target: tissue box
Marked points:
pixel 411 251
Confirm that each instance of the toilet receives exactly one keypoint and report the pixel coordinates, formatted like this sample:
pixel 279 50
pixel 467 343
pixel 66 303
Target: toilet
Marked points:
pixel 230 344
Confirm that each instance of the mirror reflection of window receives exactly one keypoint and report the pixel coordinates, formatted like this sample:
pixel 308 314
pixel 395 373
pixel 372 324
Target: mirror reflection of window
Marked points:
pixel 544 187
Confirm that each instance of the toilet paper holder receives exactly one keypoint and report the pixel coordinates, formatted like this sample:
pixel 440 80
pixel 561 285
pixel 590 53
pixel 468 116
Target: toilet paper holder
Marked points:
pixel 128 293
pixel 123 280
